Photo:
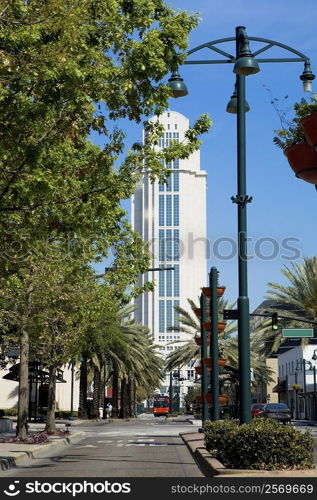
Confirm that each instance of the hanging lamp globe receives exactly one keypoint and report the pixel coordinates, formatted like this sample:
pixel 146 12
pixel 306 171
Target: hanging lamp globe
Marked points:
pixel 176 83
pixel 232 106
pixel 307 77
pixel 246 65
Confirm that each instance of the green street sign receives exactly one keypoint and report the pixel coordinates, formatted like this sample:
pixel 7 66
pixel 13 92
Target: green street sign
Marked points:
pixel 297 332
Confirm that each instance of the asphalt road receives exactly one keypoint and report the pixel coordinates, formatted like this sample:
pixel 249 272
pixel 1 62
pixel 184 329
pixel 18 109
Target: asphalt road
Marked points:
pixel 146 447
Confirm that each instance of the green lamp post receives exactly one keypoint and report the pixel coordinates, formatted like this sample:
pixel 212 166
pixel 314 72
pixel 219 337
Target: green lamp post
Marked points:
pixel 245 63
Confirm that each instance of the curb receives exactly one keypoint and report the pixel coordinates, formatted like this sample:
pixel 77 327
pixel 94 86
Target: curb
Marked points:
pixel 15 457
pixel 211 467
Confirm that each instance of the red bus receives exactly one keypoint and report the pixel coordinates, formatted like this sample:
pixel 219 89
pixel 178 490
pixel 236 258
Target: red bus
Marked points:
pixel 161 405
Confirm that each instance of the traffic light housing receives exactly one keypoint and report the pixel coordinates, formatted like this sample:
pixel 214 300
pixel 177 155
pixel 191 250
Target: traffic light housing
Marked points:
pixel 274 321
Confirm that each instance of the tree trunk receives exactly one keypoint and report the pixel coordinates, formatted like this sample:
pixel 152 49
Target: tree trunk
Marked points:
pixel 124 411
pixel 50 422
pixel 23 404
pixel 131 398
pixel 115 392
pixel 83 385
pixel 96 393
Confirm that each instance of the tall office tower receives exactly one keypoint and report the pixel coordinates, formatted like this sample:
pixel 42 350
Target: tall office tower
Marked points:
pixel 172 219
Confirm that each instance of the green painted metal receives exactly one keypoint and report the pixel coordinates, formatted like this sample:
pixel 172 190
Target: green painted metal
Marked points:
pixel 297 332
pixel 214 375
pixel 204 354
pixel 176 83
pixel 243 300
pixel 271 43
pixel 242 199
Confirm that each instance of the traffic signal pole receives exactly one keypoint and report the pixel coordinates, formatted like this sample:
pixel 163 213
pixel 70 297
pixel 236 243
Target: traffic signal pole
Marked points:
pixel 214 379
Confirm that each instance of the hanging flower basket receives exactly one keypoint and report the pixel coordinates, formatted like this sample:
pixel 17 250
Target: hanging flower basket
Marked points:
pixel 198 370
pixel 207 291
pixel 199 341
pixel 309 126
pixel 197 311
pixel 303 161
pixel 223 399
pixel 221 362
pixel 221 325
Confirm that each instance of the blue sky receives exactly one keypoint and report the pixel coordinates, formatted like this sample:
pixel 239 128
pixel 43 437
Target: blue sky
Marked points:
pixel 283 206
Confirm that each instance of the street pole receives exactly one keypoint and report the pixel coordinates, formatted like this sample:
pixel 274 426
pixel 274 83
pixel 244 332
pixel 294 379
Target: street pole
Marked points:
pixel 204 354
pixel 171 392
pixel 243 301
pixel 305 395
pixel 214 378
pixel 244 64
pixel 71 417
pixel 296 398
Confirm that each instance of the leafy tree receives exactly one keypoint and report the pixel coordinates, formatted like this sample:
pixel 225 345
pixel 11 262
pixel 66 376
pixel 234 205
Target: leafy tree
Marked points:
pixel 67 69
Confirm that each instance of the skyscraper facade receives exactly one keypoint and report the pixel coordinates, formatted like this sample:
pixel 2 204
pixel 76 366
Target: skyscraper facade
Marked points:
pixel 171 218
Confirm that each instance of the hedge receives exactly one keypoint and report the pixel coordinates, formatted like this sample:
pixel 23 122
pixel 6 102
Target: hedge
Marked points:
pixel 261 444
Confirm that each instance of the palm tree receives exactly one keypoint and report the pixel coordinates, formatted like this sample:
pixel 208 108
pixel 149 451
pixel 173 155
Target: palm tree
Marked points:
pixel 189 324
pixel 297 299
pixel 227 341
pixel 135 361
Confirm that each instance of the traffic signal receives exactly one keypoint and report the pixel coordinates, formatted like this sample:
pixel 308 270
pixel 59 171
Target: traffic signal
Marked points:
pixel 274 321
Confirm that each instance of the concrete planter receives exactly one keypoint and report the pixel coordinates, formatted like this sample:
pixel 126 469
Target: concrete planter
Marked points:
pixel 211 467
pixel 5 424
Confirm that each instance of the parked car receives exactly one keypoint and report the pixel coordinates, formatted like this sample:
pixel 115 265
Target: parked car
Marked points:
pixel 277 411
pixel 256 408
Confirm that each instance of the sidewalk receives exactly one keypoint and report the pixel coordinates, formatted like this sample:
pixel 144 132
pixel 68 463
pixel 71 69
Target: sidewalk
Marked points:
pixel 12 454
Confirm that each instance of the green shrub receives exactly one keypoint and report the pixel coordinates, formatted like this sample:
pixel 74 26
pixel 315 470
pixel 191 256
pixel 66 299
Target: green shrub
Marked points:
pixel 261 444
pixel 9 412
pixel 65 414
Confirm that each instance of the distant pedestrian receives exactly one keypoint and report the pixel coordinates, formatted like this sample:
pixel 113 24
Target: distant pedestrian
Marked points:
pixel 109 410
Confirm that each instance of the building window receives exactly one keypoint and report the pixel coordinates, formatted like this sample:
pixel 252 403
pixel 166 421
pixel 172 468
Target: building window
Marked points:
pixel 161 210
pixel 162 316
pixel 169 183
pixel 168 210
pixel 169 313
pixel 176 136
pixel 190 374
pixel 176 321
pixel 176 181
pixel 161 186
pixel 169 291
pixel 176 244
pixel 161 283
pixel 169 244
pixel 176 164
pixel 176 209
pixel 175 126
pixel 176 280
pixel 161 245
pixel 168 126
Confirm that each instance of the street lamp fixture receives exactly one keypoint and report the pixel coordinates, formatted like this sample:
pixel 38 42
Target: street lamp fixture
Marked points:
pixel 177 85
pixel 245 63
pixel 232 106
pixel 307 77
pixel 314 356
